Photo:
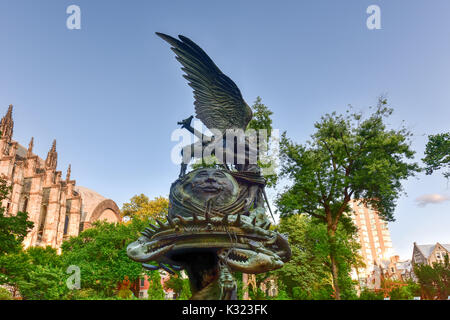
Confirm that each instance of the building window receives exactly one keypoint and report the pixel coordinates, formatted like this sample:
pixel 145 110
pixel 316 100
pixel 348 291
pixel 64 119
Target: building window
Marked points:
pixel 42 219
pixel 25 205
pixel 66 221
pixel 142 282
pixel 66 224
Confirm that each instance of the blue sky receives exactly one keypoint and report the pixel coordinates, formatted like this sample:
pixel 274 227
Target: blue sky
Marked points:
pixel 112 92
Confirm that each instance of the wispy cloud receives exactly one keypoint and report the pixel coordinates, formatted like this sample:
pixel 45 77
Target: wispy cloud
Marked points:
pixel 433 198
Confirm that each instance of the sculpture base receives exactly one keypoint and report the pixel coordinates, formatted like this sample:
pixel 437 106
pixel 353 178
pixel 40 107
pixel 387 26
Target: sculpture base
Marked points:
pixel 209 278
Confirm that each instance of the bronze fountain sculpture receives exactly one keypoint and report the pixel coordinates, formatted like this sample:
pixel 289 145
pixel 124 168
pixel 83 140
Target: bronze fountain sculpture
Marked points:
pixel 216 224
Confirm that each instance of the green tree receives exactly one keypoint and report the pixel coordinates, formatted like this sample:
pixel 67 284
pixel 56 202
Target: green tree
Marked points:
pixel 262 120
pixel 437 154
pixel 100 253
pixel 180 286
pixel 185 290
pixel 307 276
pixel 405 292
pixel 306 270
pixel 141 206
pixel 14 268
pixel 240 285
pixel 261 117
pixel 258 294
pixel 367 294
pixel 5 294
pixel 347 157
pixel 44 283
pixel 434 280
pixel 155 290
pixel 36 273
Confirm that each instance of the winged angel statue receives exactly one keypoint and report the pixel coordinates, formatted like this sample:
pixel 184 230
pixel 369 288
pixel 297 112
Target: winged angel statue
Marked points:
pixel 218 104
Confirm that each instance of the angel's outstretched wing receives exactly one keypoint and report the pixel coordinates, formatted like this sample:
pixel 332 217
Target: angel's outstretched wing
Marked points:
pixel 218 101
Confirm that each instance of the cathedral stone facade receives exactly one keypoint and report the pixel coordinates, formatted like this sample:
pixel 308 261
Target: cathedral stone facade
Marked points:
pixel 58 208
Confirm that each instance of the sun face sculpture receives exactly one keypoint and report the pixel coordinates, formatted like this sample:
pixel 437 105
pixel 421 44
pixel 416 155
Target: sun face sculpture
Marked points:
pixel 210 185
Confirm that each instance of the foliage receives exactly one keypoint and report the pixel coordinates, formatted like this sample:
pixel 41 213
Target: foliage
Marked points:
pixel 437 154
pixel 395 290
pixel 14 268
pixel 155 290
pixel 123 289
pixel 347 157
pixel 305 270
pixel 185 290
pixel 91 294
pixel 37 273
pixel 367 294
pixel 44 283
pixel 240 285
pixel 406 292
pixel 282 295
pixel 5 294
pixel 44 256
pixel 141 206
pixel 307 275
pixel 257 294
pixel 261 117
pixel 434 280
pixel 262 120
pixel 100 253
pixel 13 229
pixel 180 286
pixel 84 294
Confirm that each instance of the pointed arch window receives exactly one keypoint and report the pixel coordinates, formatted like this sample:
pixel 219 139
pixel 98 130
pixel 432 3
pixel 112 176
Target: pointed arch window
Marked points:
pixel 25 205
pixel 42 219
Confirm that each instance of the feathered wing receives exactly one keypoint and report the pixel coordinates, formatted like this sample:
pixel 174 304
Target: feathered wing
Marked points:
pixel 218 101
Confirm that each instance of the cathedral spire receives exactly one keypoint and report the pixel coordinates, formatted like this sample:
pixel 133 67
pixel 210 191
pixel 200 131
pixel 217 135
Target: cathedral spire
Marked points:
pixel 7 124
pixel 30 147
pixel 52 157
pixel 69 170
